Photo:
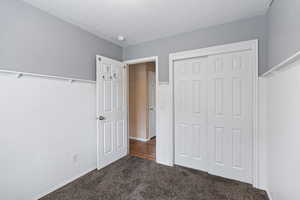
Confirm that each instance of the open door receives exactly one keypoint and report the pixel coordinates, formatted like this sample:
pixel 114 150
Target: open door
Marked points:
pixel 112 142
pixel 152 103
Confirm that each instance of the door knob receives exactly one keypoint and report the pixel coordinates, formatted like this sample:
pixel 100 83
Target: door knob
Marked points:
pixel 101 118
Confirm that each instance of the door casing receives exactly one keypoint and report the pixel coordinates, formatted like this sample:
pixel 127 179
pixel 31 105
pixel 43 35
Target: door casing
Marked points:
pixel 221 49
pixel 138 61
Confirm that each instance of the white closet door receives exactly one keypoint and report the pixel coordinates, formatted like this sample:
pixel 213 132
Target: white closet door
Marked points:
pixel 230 115
pixel 190 88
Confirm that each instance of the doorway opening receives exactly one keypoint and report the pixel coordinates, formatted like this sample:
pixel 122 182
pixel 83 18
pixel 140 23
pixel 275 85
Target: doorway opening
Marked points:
pixel 142 110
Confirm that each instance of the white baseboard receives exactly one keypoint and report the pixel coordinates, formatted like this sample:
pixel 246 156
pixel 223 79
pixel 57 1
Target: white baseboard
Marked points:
pixel 166 163
pixel 63 184
pixel 269 194
pixel 139 139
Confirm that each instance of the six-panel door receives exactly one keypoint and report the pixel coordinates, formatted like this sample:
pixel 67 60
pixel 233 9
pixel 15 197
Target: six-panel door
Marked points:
pixel 213 114
pixel 111 100
pixel 190 101
pixel 230 115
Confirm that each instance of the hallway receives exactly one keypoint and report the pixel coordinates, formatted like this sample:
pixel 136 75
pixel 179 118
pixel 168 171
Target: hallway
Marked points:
pixel 145 150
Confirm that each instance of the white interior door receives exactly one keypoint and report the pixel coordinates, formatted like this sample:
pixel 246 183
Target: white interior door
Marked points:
pixel 151 103
pixel 230 115
pixel 112 141
pixel 190 113
pixel 213 100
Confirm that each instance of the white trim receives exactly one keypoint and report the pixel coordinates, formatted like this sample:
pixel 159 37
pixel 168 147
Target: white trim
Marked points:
pixel 20 74
pixel 283 65
pixel 221 49
pixel 213 50
pixel 269 194
pixel 62 184
pixel 97 112
pixel 139 139
pixel 143 60
pixel 255 163
pixel 163 83
pixel 172 58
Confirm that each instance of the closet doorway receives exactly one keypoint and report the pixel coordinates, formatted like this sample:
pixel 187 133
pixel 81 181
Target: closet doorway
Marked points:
pixel 214 99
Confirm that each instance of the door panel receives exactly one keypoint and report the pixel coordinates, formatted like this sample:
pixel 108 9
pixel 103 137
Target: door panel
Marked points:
pixel 152 103
pixel 190 113
pixel 108 141
pixel 218 143
pixel 229 115
pixel 111 104
pixel 213 114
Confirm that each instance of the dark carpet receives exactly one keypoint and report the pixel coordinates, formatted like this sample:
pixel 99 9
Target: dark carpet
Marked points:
pixel 133 178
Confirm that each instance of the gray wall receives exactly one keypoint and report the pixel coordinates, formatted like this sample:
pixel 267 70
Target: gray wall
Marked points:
pixel 33 41
pixel 283 31
pixel 254 28
pixel 283 102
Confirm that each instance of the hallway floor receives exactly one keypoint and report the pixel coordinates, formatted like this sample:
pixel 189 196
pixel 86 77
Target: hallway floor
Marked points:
pixel 145 150
pixel 132 178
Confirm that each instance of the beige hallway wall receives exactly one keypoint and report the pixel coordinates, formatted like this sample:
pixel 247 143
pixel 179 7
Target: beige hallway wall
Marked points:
pixel 138 99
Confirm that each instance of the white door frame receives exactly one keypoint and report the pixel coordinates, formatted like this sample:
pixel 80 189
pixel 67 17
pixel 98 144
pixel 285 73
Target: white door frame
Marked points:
pixel 138 61
pixel 227 48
